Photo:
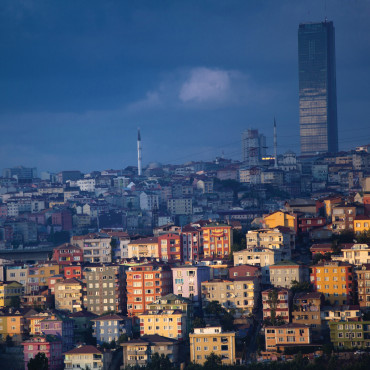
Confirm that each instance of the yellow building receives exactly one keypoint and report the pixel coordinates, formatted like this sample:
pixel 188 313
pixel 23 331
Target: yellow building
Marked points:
pixel 204 341
pixel 38 275
pixel 280 218
pixel 35 322
pixel 361 224
pixel 335 280
pixel 144 247
pixel 217 240
pixel 10 291
pixel 68 295
pixel 12 324
pixel 167 323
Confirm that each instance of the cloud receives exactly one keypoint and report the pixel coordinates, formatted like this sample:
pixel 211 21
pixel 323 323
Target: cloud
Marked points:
pixel 206 85
pixel 151 100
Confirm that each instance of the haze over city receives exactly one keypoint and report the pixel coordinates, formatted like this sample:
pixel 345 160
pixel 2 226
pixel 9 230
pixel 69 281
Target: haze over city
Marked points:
pixel 79 78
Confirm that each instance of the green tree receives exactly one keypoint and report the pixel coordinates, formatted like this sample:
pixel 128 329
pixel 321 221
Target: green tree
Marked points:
pixel 272 301
pixel 15 302
pixel 159 362
pixel 303 287
pixel 113 245
pixel 214 308
pixel 199 322
pixel 122 338
pixel 40 362
pixel 213 361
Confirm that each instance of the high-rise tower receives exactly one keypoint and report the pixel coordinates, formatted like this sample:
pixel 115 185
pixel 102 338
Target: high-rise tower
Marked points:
pixel 317 88
pixel 138 152
pixel 253 147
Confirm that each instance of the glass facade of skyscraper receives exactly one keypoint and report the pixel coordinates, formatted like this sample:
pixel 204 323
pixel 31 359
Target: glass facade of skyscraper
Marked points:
pixel 317 88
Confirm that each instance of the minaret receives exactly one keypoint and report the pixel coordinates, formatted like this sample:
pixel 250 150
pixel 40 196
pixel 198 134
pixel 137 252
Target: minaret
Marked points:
pixel 275 144
pixel 138 152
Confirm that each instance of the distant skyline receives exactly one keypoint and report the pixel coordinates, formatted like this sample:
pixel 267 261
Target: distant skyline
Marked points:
pixel 78 78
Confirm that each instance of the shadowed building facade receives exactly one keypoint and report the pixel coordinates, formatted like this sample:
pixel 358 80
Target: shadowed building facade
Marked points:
pixel 317 88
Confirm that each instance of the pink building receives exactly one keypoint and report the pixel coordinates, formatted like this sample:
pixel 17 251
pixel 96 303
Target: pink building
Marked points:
pixel 50 345
pixel 62 218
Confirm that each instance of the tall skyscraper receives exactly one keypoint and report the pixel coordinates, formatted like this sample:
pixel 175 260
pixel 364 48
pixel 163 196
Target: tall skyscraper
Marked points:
pixel 317 88
pixel 253 147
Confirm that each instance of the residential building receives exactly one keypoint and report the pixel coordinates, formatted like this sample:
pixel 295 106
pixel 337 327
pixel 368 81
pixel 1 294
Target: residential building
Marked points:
pixel 12 323
pixel 280 218
pixel 361 224
pixel 50 345
pixel 284 273
pixel 167 323
pixel 261 257
pixel 276 300
pixel 253 147
pixel 105 288
pixel 68 295
pixel 343 217
pixel 244 270
pixel 143 247
pixel 17 272
pixel 145 284
pixel 356 254
pixel 335 280
pixel 307 311
pixel 317 88
pixel 73 271
pixel 60 326
pixel 363 284
pixel 192 242
pixel 138 352
pixel 187 281
pixel 174 302
pixel 96 247
pixel 180 206
pixel 240 294
pixel 282 238
pixel 39 274
pixel 217 240
pixel 66 254
pixel 110 327
pixel 169 247
pixel 340 313
pixel 279 337
pixel 10 292
pixel 84 357
pixel 82 325
pixel 206 340
pixel 350 335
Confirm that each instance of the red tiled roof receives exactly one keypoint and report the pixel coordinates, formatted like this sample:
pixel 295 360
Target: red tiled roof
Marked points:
pixel 88 349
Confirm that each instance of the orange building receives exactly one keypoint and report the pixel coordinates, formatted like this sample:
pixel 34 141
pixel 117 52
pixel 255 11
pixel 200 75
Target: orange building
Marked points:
pixel 169 247
pixel 217 240
pixel 335 279
pixel 145 284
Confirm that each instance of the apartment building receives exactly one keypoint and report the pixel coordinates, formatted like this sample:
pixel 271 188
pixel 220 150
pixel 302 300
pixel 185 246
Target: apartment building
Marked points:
pixel 278 337
pixel 138 352
pixel 66 254
pixel 357 254
pixel 206 340
pixel 96 247
pixel 17 272
pixel 361 224
pixel 363 284
pixel 110 327
pixel 283 273
pixel 335 280
pixel 276 301
pixel 174 302
pixel 350 335
pixel 143 247
pixel 262 257
pixel 105 288
pixel 39 274
pixel 145 284
pixel 84 357
pixel 68 295
pixel 167 323
pixel 169 247
pixel 192 242
pixel 180 206
pixel 217 240
pixel 240 294
pixel 244 270
pixel 280 218
pixel 9 292
pixel 343 217
pixel 12 324
pixel 307 311
pixel 187 281
pixel 281 238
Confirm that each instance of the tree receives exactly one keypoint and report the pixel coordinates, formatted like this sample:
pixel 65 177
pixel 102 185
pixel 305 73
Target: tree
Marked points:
pixel 272 301
pixel 40 362
pixel 199 322
pixel 15 302
pixel 113 245
pixel 122 338
pixel 214 308
pixel 161 362
pixel 213 361
pixel 303 287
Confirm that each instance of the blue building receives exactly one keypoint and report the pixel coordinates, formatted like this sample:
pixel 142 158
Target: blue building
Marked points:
pixel 111 327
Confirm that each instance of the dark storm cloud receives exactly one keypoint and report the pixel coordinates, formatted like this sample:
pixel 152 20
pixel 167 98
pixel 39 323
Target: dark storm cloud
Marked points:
pixel 78 77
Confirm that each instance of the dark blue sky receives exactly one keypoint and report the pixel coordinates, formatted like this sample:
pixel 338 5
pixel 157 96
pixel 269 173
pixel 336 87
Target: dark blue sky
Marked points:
pixel 78 77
